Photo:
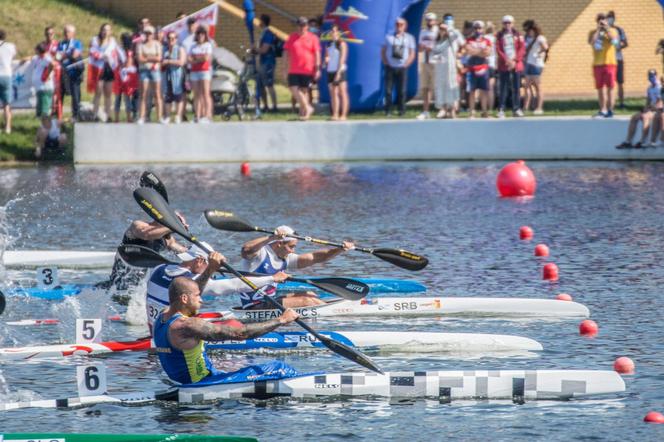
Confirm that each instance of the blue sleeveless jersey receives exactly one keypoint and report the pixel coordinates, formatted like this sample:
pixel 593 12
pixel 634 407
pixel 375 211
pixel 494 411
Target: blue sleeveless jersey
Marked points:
pixel 183 366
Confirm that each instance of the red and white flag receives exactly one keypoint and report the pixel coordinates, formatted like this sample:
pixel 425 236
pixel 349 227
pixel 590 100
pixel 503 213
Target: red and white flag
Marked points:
pixel 206 17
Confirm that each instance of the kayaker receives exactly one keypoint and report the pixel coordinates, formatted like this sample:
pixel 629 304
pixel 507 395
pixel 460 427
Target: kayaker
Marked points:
pixel 179 337
pixel 275 253
pixel 147 234
pixel 198 266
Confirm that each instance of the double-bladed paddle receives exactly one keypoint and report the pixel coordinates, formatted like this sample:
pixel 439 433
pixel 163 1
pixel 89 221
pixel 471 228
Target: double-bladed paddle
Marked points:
pixel 222 220
pixel 158 209
pixel 2 302
pixel 149 179
pixel 352 289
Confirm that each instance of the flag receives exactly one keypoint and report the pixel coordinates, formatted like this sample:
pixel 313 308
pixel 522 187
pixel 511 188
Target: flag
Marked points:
pixel 23 93
pixel 206 17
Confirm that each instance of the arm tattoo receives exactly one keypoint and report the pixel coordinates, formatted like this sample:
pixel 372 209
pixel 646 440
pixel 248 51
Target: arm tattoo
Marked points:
pixel 204 278
pixel 201 329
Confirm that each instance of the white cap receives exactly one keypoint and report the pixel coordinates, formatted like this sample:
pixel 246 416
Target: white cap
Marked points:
pixel 286 230
pixel 194 252
pixel 478 23
pixel 508 18
pixel 430 16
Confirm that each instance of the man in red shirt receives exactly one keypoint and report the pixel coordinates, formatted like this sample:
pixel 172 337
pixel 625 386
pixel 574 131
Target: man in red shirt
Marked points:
pixel 478 49
pixel 511 49
pixel 303 58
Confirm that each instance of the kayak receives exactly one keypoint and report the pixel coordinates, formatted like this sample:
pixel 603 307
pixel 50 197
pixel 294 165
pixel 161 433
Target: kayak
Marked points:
pixel 430 306
pixel 517 386
pixel 421 342
pixel 377 285
pixel 83 437
pixel 76 259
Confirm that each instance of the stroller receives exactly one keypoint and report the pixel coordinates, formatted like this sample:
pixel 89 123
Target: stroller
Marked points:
pixel 229 86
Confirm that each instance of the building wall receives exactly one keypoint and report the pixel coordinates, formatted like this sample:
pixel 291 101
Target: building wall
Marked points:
pixel 566 24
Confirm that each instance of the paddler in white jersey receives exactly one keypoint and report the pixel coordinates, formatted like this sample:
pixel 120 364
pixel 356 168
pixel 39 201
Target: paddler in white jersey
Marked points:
pixel 276 253
pixel 195 266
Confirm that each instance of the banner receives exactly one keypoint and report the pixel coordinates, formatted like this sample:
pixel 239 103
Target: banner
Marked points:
pixel 206 17
pixel 364 25
pixel 24 94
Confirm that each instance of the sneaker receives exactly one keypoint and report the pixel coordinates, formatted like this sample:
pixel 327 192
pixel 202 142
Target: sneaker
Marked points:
pixel 624 145
pixel 140 121
pixel 204 121
pixel 423 116
pixel 8 130
pixel 608 114
pixel 165 120
pixel 178 120
pixel 517 113
pixel 638 145
pixel 500 114
pixel 38 152
pixel 441 114
pixel 538 112
pixel 599 114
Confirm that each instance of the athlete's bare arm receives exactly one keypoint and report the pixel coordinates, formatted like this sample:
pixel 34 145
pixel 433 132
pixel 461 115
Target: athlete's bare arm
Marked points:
pixel 322 255
pixel 251 248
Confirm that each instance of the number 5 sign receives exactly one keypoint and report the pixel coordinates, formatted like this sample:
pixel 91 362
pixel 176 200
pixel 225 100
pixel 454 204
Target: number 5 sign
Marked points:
pixel 91 380
pixel 88 331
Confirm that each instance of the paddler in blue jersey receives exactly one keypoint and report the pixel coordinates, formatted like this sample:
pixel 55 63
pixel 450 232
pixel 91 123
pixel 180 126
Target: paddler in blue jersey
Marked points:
pixel 276 253
pixel 198 266
pixel 179 337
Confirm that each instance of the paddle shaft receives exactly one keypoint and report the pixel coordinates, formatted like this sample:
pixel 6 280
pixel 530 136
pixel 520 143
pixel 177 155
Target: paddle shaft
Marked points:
pixel 316 240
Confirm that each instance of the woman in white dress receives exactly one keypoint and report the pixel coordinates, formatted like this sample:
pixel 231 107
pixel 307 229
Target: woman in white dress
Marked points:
pixel 446 92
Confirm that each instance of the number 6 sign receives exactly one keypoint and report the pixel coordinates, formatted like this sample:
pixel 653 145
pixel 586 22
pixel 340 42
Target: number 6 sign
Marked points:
pixel 91 380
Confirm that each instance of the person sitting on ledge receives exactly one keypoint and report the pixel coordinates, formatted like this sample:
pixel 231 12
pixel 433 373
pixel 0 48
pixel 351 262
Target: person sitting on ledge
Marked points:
pixel 651 111
pixel 50 137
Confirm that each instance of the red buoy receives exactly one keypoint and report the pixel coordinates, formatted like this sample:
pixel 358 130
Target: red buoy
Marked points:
pixel 654 417
pixel 245 169
pixel 588 327
pixel 541 250
pixel 516 179
pixel 550 272
pixel 624 365
pixel 526 233
pixel 563 297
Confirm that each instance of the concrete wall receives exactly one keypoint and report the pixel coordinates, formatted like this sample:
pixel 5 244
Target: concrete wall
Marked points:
pixel 532 138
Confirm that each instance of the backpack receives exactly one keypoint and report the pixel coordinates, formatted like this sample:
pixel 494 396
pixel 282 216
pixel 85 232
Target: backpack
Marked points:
pixel 278 47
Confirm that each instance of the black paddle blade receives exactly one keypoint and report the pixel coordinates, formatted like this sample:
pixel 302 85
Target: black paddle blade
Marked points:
pixel 2 302
pixel 158 209
pixel 222 220
pixel 349 353
pixel 402 258
pixel 343 287
pixel 140 256
pixel 149 179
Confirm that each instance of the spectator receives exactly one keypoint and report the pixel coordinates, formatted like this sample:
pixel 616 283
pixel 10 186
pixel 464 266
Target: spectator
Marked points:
pixel 149 73
pixel 186 40
pixel 336 55
pixel 660 50
pixel 139 35
pixel 446 80
pixel 604 40
pixel 465 74
pixel 536 52
pixel 7 54
pixel 620 74
pixel 652 110
pixel 50 136
pixel 200 58
pixel 173 64
pixel 511 50
pixel 398 53
pixel 478 49
pixel 128 82
pixel 428 36
pixel 304 60
pixel 70 55
pixel 493 72
pixel 267 62
pixel 104 62
pixel 42 80
pixel 50 41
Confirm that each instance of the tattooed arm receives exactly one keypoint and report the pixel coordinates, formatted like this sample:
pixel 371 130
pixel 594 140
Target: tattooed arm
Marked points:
pixel 214 263
pixel 200 329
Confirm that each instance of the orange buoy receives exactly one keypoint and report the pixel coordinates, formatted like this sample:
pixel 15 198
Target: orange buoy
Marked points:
pixel 526 233
pixel 563 297
pixel 245 169
pixel 516 179
pixel 541 250
pixel 550 272
pixel 588 327
pixel 624 365
pixel 654 417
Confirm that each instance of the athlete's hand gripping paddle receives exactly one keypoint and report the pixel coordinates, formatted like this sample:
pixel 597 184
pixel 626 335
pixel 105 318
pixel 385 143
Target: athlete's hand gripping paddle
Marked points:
pixel 222 220
pixel 158 209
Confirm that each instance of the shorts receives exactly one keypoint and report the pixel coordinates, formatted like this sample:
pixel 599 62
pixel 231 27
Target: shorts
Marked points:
pixel 620 74
pixel 6 91
pixel 266 74
pixel 332 75
pixel 479 81
pixel 44 103
pixel 533 71
pixel 149 75
pixel 427 76
pixel 300 80
pixel 52 144
pixel 605 76
pixel 107 73
pixel 493 73
pixel 200 75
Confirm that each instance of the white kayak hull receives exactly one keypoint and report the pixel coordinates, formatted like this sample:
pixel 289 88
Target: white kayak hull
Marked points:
pixel 58 258
pixel 515 385
pixel 423 342
pixel 427 306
